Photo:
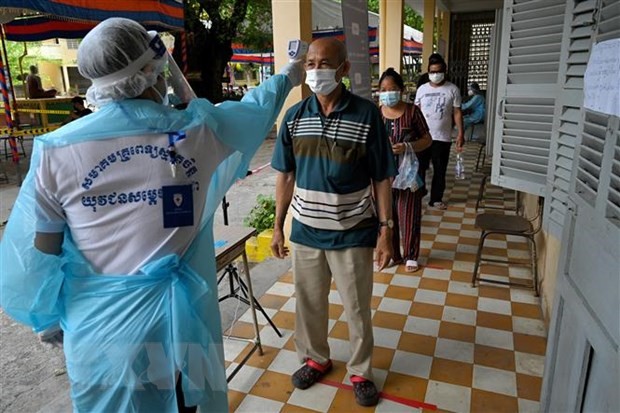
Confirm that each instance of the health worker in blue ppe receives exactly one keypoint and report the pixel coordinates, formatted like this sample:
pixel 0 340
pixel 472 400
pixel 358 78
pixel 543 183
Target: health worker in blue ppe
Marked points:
pixel 110 240
pixel 474 109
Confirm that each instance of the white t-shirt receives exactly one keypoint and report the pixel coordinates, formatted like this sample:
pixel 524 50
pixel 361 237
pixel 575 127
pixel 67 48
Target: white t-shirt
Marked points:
pixel 109 194
pixel 437 104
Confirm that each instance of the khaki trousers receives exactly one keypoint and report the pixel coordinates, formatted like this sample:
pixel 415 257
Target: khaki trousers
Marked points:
pixel 352 270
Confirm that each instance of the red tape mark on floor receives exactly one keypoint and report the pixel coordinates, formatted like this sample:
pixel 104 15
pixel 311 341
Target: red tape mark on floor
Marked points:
pixel 407 402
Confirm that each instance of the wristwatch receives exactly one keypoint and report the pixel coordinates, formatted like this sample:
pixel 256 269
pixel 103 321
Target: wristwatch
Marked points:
pixel 389 223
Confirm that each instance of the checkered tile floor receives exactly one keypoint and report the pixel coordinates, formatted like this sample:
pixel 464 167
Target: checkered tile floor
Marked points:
pixel 437 339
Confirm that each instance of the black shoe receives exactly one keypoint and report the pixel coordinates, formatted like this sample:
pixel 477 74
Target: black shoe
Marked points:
pixel 366 393
pixel 310 373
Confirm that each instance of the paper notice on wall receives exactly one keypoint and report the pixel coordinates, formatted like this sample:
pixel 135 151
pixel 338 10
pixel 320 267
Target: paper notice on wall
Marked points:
pixel 601 87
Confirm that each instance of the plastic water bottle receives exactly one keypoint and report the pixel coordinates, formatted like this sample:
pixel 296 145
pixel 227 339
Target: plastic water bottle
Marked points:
pixel 459 168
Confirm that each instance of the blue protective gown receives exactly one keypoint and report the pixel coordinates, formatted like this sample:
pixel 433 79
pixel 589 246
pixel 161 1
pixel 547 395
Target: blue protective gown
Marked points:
pixel 476 106
pixel 126 337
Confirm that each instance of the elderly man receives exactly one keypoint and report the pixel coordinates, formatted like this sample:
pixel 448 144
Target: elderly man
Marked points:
pixel 333 158
pixel 110 240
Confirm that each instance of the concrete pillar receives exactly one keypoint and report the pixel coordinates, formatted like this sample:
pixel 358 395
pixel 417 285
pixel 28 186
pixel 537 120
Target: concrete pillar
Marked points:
pixel 391 34
pixel 292 19
pixel 444 43
pixel 429 29
pixel 51 76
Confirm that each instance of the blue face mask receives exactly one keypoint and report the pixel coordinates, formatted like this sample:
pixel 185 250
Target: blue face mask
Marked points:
pixel 390 99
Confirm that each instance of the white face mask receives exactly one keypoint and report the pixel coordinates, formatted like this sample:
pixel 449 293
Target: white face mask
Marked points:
pixel 470 92
pixel 390 98
pixel 322 81
pixel 436 77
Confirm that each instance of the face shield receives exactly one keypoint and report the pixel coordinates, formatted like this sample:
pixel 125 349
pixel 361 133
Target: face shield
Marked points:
pixel 179 92
pixel 140 74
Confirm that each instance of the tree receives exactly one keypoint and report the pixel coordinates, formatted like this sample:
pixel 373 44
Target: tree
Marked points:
pixel 15 50
pixel 211 27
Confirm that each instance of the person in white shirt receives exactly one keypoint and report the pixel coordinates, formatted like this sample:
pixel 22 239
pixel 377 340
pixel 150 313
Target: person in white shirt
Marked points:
pixel 110 240
pixel 440 102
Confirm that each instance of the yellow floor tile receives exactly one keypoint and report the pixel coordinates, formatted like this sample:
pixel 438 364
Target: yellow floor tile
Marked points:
pixel 290 344
pixel 528 387
pixel 486 402
pixel 462 256
pixel 426 310
pixel 492 320
pixel 256 360
pixel 529 344
pixel 439 263
pixel 241 329
pixel 444 246
pixel 494 269
pixel 340 330
pixel 416 343
pixel 273 301
pixel 453 372
pixel 494 357
pixel 456 331
pixel 433 284
pixel 287 278
pixel 274 386
pixel 523 246
pixel 291 408
pixel 408 387
pixel 234 399
pixel 526 310
pixel 462 276
pixel 335 311
pixel 492 291
pixel 462 301
pixel 389 320
pixel 449 231
pixel 284 319
pixel 401 293
pixel 382 277
pixel 338 372
pixel 382 357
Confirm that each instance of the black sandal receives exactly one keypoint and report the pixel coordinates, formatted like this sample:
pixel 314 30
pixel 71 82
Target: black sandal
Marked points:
pixel 365 391
pixel 310 373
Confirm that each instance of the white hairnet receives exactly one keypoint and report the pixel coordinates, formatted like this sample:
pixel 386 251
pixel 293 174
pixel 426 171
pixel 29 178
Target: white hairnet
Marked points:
pixel 121 58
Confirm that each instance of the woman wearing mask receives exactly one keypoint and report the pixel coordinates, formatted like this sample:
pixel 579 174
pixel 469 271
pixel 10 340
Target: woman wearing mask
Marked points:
pixel 407 130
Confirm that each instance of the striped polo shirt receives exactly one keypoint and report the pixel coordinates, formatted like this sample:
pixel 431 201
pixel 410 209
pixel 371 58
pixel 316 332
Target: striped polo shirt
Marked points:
pixel 335 159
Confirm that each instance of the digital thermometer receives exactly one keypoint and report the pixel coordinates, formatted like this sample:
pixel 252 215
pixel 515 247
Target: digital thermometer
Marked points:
pixel 297 49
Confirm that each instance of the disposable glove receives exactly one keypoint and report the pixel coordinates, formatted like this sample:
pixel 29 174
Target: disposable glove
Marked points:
pixel 294 71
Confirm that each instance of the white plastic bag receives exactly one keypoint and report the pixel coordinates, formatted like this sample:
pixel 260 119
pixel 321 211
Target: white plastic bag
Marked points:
pixel 408 177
